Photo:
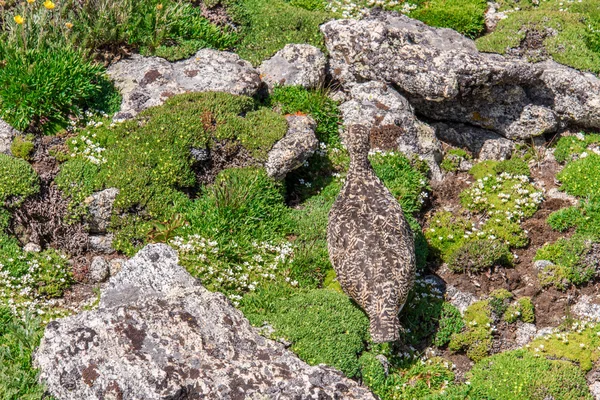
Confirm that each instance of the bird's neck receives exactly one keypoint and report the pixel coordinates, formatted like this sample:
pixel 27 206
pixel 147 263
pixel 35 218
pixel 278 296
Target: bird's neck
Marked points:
pixel 360 165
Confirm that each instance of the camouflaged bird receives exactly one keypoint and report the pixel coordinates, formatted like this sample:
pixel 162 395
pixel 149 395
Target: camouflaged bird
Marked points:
pixel 371 246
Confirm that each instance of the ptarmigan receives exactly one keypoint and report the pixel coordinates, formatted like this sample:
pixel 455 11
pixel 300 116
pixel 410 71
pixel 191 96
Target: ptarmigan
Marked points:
pixel 371 245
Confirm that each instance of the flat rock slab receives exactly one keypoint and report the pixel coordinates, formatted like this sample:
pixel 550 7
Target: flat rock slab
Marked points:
pixel 158 334
pixel 148 81
pixel 295 64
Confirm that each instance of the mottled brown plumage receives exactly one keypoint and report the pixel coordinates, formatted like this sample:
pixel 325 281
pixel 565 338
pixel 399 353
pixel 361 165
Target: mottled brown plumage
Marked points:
pixel 370 243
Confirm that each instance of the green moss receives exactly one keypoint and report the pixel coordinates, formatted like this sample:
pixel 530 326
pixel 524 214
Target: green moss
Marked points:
pixel 453 158
pixel 579 343
pixel 446 233
pixel 499 300
pixel 564 218
pixel 476 338
pixel 516 166
pixel 264 129
pixel 450 323
pixel 568 32
pixel 484 168
pixel 569 267
pixel 518 374
pixel 324 326
pixel 569 146
pixel 22 146
pixel 466 17
pixel 478 255
pixel 17 180
pixel 522 310
pixel 580 177
pixel 509 232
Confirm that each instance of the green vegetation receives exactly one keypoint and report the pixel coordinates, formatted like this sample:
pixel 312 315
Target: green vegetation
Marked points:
pixel 451 323
pixel 22 146
pixel 578 343
pixel 446 233
pixel 466 17
pixel 568 147
pixel 580 177
pixel 499 301
pixel 569 266
pixel 17 181
pixel 518 374
pixel 568 32
pixel 324 326
pixel 453 158
pixel 478 255
pixel 18 340
pixel 522 310
pixel 476 338
pixel 565 218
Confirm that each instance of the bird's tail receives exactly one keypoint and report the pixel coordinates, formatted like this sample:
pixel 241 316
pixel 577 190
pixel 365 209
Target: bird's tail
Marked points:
pixel 384 328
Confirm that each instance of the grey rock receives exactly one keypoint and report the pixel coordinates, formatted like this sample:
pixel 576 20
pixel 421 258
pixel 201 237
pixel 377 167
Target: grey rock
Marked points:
pixel 493 16
pixel 595 389
pixel 100 206
pixel 99 270
pixel 392 121
pixel 484 144
pixel 102 243
pixel 149 81
pixel 459 299
pixel 525 333
pixel 7 134
pixel 200 155
pixel 115 265
pixel 540 265
pixel 297 146
pixel 554 193
pixel 585 308
pixel 593 379
pixel 548 330
pixel 295 64
pixel 159 334
pixel 32 248
pixel 443 75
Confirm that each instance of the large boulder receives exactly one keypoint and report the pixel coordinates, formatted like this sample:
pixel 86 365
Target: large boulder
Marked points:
pixel 484 144
pixel 445 78
pixel 7 134
pixel 392 121
pixel 148 81
pixel 159 334
pixel 295 64
pixel 297 146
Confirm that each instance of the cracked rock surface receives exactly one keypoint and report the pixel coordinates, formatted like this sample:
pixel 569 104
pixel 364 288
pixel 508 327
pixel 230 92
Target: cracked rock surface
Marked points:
pixel 159 334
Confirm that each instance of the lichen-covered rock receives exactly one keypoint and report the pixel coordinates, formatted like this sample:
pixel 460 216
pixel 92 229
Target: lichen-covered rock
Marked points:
pixel 148 81
pixel 7 134
pixel 445 78
pixel 158 334
pixel 99 270
pixel 586 309
pixel 295 64
pixel 392 121
pixel 459 299
pixel 493 16
pixel 525 333
pixel 297 146
pixel 484 144
pixel 100 205
pixel 101 243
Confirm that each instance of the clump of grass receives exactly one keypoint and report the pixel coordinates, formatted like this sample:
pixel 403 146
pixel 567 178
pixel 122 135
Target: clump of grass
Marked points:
pixel 324 326
pixel 499 301
pixel 22 146
pixel 478 255
pixel 579 177
pixel 476 338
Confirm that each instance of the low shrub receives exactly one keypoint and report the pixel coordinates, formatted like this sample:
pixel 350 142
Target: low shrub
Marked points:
pixel 422 312
pixel 476 338
pixel 22 146
pixel 450 323
pixel 478 255
pixel 499 301
pixel 17 181
pixel 569 266
pixel 324 326
pixel 518 374
pixel 565 218
pixel 515 167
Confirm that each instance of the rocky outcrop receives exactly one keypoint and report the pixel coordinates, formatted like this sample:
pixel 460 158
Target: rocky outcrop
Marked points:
pixel 148 81
pixel 484 144
pixel 586 309
pixel 158 334
pixel 445 78
pixel 392 121
pixel 295 64
pixel 297 146
pixel 7 134
pixel 100 206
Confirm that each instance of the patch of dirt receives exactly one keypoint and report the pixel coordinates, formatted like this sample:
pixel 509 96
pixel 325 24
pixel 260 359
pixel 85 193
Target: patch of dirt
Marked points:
pixel 222 155
pixel 217 15
pixel 532 47
pixel 462 364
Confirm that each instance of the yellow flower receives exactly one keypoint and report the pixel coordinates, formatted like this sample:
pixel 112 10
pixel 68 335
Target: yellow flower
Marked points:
pixel 49 5
pixel 68 25
pixel 31 1
pixel 19 20
pixel 159 6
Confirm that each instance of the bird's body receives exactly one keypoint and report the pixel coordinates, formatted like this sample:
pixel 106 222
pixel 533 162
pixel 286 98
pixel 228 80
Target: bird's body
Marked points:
pixel 370 243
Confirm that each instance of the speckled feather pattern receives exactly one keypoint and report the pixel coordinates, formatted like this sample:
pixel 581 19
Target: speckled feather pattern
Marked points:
pixel 370 243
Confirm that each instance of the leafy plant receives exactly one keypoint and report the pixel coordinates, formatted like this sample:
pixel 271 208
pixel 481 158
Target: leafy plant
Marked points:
pixel 17 181
pixel 22 146
pixel 476 338
pixel 478 255
pixel 451 323
pixel 163 232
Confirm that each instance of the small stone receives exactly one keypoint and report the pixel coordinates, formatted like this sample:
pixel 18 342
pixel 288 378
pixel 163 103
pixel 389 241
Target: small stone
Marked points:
pixel 32 248
pixel 200 155
pixel 297 146
pixel 100 208
pixel 7 134
pixel 459 299
pixel 102 243
pixel 295 64
pixel 525 333
pixel 540 265
pixel 99 270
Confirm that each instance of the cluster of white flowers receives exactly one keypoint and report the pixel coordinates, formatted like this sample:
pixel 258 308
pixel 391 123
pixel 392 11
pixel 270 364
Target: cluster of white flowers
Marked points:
pixel 359 8
pixel 85 147
pixel 322 150
pixel 235 274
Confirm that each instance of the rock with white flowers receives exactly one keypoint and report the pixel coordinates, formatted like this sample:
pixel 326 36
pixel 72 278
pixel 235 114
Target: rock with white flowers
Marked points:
pixel 295 64
pixel 159 334
pixel 149 81
pixel 296 147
